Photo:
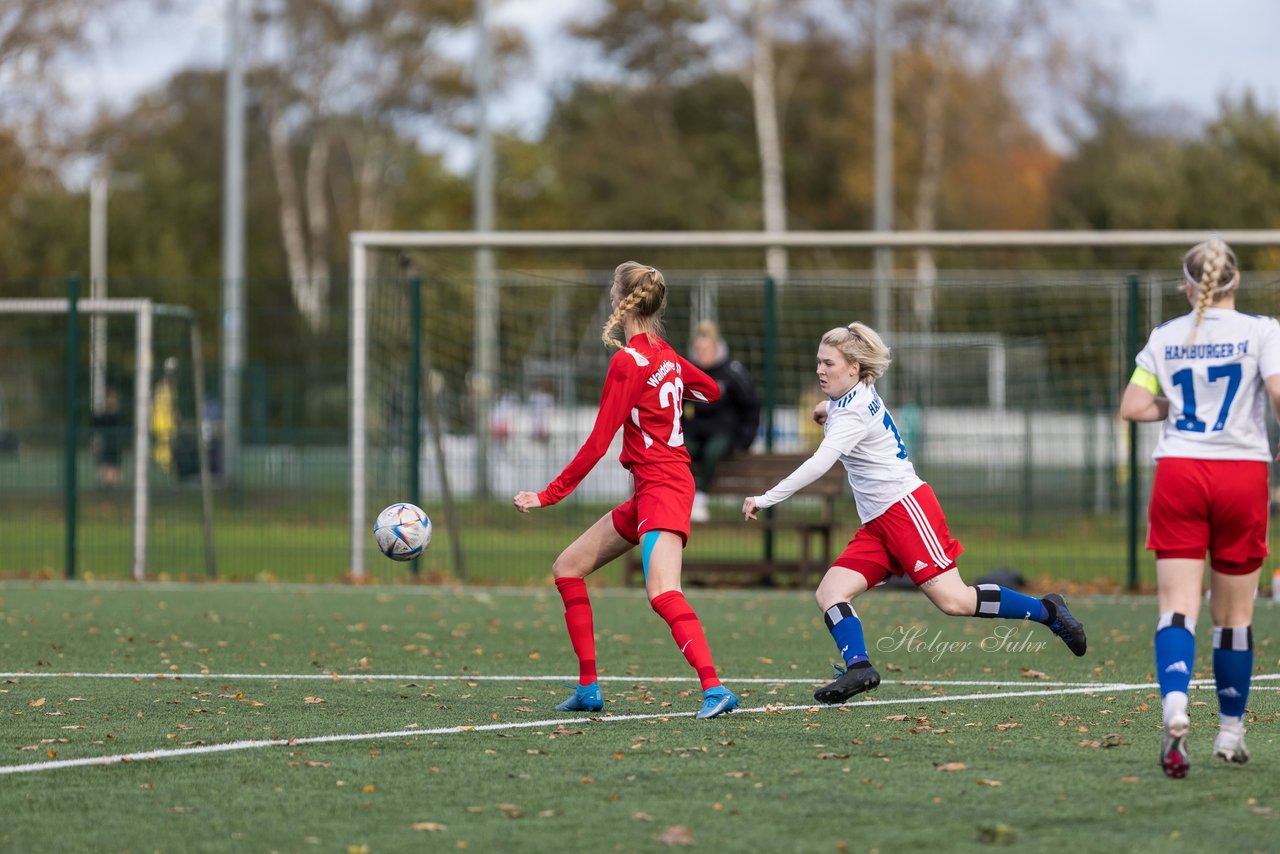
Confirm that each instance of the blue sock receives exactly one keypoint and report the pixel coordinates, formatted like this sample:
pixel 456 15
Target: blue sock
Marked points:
pixel 1001 603
pixel 1232 667
pixel 1175 652
pixel 846 631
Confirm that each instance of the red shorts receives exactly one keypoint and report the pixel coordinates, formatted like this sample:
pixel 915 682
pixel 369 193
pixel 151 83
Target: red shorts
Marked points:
pixel 1218 506
pixel 910 537
pixel 662 500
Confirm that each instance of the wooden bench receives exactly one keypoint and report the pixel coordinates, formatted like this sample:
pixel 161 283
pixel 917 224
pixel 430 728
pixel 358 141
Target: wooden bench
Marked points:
pixel 754 474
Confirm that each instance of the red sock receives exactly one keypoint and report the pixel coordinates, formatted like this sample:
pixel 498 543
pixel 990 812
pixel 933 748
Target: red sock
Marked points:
pixel 687 632
pixel 577 618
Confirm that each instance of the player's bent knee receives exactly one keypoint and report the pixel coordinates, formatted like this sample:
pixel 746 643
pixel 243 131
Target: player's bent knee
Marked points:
pixel 954 606
pixel 566 567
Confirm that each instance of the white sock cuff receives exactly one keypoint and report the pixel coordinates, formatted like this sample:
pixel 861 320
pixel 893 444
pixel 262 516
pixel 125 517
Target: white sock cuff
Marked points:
pixel 1174 703
pixel 1239 638
pixel 1174 619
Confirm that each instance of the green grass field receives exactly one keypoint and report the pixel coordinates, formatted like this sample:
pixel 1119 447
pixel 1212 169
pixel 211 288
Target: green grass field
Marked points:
pixel 300 718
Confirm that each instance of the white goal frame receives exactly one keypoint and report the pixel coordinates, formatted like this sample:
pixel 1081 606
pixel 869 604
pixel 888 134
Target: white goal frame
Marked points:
pixel 364 242
pixel 144 312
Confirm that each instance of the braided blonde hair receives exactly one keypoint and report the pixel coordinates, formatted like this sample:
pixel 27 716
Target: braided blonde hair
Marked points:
pixel 640 290
pixel 1211 266
pixel 859 343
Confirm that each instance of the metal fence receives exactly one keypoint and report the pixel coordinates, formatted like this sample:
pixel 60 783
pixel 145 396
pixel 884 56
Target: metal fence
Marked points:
pixel 1004 382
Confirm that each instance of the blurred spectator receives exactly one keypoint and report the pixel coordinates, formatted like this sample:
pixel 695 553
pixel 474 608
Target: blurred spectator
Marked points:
pixel 211 434
pixel 715 431
pixel 108 438
pixel 8 439
pixel 164 416
pixel 541 402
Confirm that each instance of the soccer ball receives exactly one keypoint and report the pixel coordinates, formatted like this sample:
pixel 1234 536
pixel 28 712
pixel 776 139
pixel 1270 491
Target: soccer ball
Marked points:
pixel 402 531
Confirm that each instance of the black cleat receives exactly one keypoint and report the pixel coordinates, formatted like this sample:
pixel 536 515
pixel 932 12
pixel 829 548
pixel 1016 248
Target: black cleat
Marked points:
pixel 1065 626
pixel 855 680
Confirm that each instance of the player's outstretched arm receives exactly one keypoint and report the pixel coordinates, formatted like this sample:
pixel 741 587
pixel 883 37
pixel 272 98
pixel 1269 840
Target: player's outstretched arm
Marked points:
pixel 526 501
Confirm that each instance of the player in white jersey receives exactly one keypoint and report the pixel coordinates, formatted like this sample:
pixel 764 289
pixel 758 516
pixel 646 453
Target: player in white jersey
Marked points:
pixel 904 531
pixel 1208 376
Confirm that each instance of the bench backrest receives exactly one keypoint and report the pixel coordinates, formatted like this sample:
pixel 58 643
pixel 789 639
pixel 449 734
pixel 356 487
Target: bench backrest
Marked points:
pixel 753 474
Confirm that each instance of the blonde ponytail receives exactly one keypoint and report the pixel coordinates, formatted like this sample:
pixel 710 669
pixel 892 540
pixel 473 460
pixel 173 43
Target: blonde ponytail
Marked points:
pixel 640 289
pixel 859 343
pixel 1211 266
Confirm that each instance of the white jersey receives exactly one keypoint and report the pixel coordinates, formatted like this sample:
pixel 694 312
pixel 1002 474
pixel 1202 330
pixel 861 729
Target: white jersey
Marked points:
pixel 861 434
pixel 1217 399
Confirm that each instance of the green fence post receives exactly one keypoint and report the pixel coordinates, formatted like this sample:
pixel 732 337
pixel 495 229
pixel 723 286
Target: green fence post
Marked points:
pixel 1133 442
pixel 413 435
pixel 72 437
pixel 770 384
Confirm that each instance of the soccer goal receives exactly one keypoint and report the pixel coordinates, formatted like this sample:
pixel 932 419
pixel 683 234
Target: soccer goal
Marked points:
pixel 39 355
pixel 1009 359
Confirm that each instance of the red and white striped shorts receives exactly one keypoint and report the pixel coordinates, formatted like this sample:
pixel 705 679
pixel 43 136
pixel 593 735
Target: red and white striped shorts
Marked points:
pixel 910 538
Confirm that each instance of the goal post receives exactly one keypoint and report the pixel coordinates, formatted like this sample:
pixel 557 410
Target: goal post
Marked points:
pixel 991 358
pixel 145 314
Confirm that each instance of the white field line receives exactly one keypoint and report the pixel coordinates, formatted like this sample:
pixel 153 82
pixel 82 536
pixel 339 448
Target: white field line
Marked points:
pixel 453 730
pixel 462 677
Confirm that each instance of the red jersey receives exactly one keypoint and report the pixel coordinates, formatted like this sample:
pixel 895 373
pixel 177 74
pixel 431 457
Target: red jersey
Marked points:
pixel 644 393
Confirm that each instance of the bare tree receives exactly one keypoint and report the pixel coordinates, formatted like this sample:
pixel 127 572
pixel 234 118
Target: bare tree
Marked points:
pixel 34 34
pixel 1001 40
pixel 764 98
pixel 336 79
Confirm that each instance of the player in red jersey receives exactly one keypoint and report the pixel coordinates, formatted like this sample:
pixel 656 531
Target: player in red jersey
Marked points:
pixel 1208 376
pixel 644 393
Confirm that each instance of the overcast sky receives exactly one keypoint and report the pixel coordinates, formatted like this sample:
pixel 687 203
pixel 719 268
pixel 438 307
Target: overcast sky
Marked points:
pixel 1172 52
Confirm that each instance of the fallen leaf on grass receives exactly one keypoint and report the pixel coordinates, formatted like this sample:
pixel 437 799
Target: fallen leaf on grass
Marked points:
pixel 35 704
pixel 429 826
pixel 676 835
pixel 985 782
pixel 1028 673
pixel 1010 725
pixel 831 756
pixel 999 834
pixel 313 701
pixel 951 766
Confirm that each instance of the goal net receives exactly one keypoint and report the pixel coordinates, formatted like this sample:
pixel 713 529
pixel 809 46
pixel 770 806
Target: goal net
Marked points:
pixel 106 438
pixel 1005 375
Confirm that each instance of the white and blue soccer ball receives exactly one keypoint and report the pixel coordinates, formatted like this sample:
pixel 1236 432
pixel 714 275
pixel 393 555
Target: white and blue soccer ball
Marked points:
pixel 402 531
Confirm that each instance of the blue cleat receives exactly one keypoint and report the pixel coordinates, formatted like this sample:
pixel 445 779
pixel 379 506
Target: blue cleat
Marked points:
pixel 716 701
pixel 585 698
pixel 1064 625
